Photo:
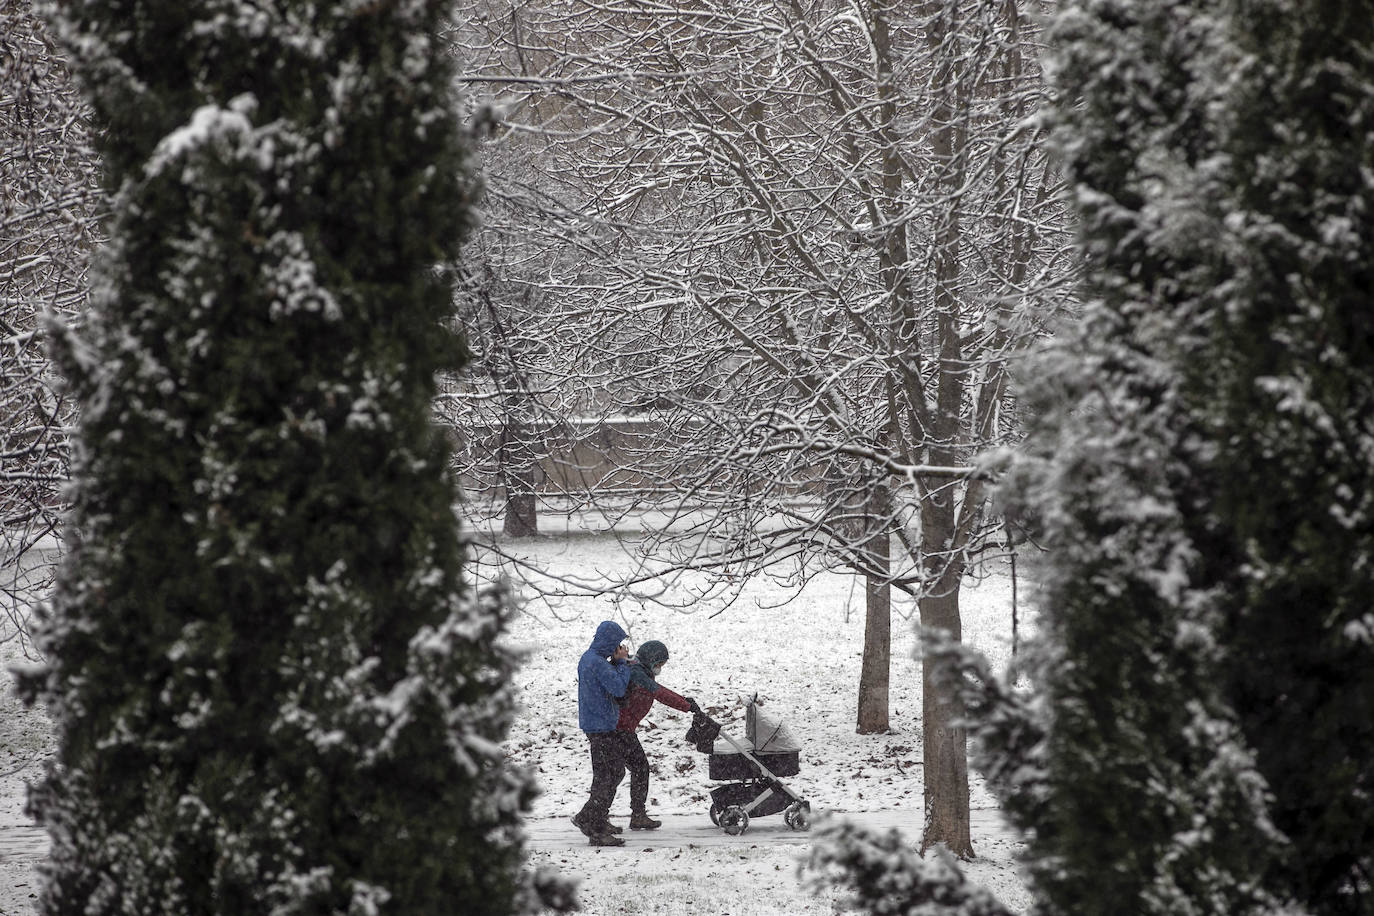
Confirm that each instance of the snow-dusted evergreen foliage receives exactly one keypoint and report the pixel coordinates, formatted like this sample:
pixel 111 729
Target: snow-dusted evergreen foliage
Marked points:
pixel 882 875
pixel 1201 466
pixel 272 689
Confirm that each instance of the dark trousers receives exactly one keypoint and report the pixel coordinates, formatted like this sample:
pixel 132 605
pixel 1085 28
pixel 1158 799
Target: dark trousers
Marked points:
pixel 638 764
pixel 608 769
pixel 612 754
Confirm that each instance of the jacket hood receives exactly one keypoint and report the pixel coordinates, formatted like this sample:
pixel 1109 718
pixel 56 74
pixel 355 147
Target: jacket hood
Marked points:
pixel 651 654
pixel 609 636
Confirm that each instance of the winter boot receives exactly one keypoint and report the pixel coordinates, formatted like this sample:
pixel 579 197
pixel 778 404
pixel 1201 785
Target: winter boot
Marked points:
pixel 584 823
pixel 581 823
pixel 640 820
pixel 604 838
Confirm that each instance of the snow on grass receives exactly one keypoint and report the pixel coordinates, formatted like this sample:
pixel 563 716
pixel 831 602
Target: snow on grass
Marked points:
pixel 801 656
pixel 25 743
pixel 800 653
pixel 750 881
pixel 746 880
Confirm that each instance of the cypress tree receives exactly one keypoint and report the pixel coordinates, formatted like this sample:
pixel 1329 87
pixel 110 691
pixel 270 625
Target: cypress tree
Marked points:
pixel 1201 466
pixel 1291 411
pixel 272 689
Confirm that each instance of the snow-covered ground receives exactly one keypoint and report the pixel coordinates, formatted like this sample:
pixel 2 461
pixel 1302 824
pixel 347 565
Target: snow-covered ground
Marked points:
pixel 799 652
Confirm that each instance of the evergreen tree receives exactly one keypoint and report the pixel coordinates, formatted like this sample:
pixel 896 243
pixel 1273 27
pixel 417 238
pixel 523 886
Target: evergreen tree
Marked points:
pixel 272 690
pixel 1200 466
pixel 1203 466
pixel 1293 423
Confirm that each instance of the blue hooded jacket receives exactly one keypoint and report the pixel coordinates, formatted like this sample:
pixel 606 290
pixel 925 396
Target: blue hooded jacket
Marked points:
pixel 600 683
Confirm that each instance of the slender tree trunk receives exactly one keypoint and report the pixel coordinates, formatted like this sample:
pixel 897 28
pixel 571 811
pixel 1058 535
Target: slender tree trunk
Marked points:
pixel 519 475
pixel 946 751
pixel 946 745
pixel 520 519
pixel 877 660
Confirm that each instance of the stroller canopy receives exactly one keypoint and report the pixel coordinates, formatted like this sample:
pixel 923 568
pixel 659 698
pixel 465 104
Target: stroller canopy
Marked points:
pixel 766 734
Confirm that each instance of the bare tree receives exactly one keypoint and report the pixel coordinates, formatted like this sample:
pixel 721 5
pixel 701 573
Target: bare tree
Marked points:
pixel 797 240
pixel 48 226
pixel 502 436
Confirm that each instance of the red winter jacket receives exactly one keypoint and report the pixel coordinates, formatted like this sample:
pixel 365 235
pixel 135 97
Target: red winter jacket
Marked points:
pixel 639 700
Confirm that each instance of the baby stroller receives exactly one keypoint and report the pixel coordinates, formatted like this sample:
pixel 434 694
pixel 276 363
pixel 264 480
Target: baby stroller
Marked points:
pixel 754 768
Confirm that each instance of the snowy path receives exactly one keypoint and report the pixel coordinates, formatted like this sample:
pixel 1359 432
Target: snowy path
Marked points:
pixel 23 843
pixel 548 834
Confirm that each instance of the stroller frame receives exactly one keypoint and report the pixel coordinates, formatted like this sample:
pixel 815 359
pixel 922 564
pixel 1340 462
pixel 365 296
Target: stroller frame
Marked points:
pixel 733 803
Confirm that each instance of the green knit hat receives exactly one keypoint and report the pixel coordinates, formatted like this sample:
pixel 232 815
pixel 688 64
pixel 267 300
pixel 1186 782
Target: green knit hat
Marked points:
pixel 652 653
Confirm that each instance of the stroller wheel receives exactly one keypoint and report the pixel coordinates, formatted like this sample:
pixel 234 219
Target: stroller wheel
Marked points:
pixel 797 816
pixel 715 814
pixel 734 820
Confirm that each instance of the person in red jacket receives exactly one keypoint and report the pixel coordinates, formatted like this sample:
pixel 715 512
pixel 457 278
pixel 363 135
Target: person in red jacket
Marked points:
pixel 639 699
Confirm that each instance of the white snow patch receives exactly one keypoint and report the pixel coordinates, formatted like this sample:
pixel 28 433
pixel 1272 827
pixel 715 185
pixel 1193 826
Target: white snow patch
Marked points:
pixel 1361 631
pixel 208 123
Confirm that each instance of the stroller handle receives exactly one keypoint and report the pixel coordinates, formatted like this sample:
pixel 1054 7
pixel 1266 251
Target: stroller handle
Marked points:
pixel 703 731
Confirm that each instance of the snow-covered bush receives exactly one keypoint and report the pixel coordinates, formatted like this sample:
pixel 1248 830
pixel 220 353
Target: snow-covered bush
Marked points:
pixel 272 689
pixel 882 875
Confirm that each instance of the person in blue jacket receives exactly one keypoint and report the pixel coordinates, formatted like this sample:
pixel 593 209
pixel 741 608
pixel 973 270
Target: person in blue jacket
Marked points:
pixel 603 676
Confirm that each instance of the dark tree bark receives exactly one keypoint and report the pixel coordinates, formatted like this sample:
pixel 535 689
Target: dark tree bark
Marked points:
pixel 876 671
pixel 519 471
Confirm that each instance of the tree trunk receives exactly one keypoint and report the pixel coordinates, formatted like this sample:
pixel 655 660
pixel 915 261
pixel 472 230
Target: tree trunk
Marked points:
pixel 946 752
pixel 876 551
pixel 520 519
pixel 946 746
pixel 876 669
pixel 519 472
